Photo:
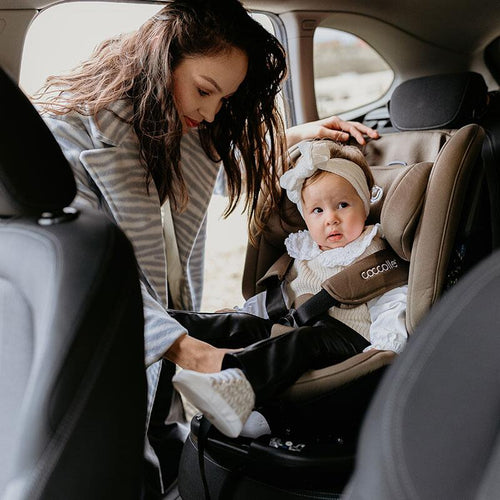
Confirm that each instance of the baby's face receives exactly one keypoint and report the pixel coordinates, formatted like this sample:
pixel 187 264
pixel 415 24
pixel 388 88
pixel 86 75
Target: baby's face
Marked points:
pixel 333 211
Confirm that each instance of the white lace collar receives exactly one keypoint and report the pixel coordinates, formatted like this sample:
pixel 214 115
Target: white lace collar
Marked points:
pixel 301 246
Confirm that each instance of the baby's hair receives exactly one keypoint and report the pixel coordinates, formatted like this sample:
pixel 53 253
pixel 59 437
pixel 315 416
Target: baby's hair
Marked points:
pixel 351 153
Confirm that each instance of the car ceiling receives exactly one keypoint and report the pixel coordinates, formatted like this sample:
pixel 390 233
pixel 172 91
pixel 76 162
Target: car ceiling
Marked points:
pixel 461 25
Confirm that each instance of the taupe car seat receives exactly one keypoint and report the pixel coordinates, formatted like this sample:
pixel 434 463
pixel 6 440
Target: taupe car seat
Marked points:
pixel 432 181
pixel 428 201
pixel 72 378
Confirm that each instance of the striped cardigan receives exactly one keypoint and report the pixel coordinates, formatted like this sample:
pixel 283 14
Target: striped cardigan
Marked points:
pixel 104 155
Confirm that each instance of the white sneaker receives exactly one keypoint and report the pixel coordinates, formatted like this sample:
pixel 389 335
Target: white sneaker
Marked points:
pixel 255 426
pixel 226 398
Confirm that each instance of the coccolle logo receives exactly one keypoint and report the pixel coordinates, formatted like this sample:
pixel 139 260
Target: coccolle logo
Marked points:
pixel 381 268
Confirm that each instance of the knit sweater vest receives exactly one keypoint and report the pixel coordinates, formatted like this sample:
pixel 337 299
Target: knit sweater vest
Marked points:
pixel 306 276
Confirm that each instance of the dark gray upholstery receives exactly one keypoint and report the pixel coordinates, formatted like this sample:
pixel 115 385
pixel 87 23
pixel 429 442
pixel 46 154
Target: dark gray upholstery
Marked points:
pixel 433 428
pixel 462 99
pixel 72 379
pixel 45 182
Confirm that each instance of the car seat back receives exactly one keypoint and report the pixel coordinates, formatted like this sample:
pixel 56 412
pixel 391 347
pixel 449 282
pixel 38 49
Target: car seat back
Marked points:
pixel 432 429
pixel 427 218
pixel 72 378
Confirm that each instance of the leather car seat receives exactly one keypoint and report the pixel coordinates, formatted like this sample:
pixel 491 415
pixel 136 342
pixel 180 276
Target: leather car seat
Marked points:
pixel 72 378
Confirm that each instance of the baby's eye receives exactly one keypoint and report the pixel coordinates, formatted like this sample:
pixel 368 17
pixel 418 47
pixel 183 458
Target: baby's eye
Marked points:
pixel 317 210
pixel 343 204
pixel 203 93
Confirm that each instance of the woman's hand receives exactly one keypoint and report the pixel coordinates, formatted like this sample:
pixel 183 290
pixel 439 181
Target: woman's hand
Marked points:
pixel 329 128
pixel 194 354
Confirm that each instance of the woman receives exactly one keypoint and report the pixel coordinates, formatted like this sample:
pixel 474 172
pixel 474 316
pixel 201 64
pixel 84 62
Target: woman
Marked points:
pixel 147 120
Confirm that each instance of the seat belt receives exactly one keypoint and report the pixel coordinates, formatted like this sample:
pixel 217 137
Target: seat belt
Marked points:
pixel 173 261
pixel 357 284
pixel 203 431
pixel 309 310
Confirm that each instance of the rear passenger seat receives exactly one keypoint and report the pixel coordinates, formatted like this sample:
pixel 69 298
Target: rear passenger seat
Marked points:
pixel 450 101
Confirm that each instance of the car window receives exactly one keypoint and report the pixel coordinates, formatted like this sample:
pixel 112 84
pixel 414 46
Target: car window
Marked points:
pixel 348 73
pixel 60 38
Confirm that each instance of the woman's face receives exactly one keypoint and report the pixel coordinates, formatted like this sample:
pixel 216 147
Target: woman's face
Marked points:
pixel 203 83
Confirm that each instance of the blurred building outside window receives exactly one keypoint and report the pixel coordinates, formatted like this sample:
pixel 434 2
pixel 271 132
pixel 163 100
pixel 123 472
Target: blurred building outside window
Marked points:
pixel 348 73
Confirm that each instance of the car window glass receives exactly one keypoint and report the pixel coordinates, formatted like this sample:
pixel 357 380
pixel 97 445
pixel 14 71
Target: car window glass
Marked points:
pixel 62 36
pixel 348 73
pixel 59 39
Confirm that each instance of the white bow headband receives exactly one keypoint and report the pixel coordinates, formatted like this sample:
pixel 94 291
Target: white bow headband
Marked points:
pixel 315 155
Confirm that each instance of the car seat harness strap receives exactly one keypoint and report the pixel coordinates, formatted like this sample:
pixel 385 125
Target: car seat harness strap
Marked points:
pixel 357 284
pixel 273 281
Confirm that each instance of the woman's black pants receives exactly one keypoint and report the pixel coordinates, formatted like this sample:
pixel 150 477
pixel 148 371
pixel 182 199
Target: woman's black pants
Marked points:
pixel 271 364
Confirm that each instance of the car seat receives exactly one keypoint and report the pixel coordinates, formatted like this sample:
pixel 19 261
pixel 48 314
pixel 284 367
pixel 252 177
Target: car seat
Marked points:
pixel 429 210
pixel 432 430
pixel 72 378
pixel 431 197
pixel 463 98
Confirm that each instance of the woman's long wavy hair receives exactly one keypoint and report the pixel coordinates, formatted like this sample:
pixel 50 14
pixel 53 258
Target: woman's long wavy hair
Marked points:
pixel 247 134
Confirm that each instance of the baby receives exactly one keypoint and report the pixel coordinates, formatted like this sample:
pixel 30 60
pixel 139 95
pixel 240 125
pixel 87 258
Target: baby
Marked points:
pixel 331 185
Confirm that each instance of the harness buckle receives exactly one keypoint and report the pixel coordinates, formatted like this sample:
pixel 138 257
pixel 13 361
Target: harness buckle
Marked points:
pixel 289 319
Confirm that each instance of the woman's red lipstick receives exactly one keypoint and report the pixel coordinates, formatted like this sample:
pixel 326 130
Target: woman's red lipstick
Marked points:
pixel 191 123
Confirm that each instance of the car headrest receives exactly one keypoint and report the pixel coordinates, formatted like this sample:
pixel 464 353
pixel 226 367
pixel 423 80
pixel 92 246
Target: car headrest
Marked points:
pixel 34 174
pixel 439 101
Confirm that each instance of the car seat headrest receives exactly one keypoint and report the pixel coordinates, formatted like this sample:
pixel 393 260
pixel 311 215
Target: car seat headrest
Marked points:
pixel 402 205
pixel 34 174
pixel 462 99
